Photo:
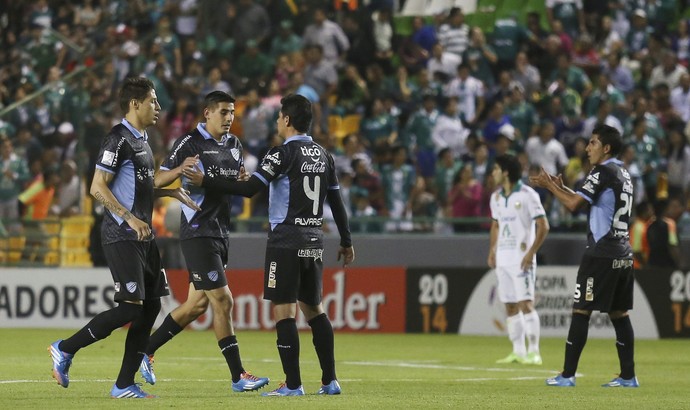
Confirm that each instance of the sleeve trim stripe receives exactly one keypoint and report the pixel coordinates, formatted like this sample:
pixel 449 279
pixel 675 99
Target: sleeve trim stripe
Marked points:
pixel 102 168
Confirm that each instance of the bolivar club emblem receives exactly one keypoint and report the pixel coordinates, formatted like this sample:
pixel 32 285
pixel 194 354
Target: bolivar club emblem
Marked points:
pixel 131 287
pixel 213 275
pixel 235 154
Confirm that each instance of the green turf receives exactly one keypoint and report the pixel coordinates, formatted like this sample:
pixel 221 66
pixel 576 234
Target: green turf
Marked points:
pixel 375 371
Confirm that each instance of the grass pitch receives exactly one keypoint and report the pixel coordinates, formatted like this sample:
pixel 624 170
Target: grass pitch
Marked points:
pixel 375 372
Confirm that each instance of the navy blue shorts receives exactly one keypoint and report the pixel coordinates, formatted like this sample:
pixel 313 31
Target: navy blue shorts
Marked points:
pixel 604 284
pixel 206 259
pixel 137 270
pixel 293 274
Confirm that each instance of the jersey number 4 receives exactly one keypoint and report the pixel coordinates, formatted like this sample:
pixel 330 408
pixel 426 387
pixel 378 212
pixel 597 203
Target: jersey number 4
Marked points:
pixel 313 193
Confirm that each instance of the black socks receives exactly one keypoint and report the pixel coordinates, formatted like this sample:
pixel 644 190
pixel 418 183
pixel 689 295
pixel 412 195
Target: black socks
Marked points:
pixel 322 337
pixel 137 338
pixel 288 348
pixel 101 326
pixel 577 337
pixel 168 329
pixel 625 344
pixel 231 350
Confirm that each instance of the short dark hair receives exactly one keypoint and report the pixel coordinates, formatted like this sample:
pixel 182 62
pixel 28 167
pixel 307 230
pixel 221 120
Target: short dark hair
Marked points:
pixel 609 136
pixel 510 164
pixel 298 108
pixel 134 88
pixel 214 97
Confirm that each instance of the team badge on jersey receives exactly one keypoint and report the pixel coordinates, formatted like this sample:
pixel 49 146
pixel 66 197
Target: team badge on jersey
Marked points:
pixel 131 287
pixel 518 205
pixel 235 154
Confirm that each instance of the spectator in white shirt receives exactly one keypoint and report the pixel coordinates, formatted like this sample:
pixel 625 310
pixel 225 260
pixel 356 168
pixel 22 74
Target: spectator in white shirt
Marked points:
pixel 448 132
pixel 545 151
pixel 469 91
pixel 669 71
pixel 328 34
pixel 603 116
pixel 442 62
pixel 680 97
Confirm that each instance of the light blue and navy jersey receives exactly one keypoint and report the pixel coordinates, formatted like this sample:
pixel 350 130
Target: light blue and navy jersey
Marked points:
pixel 125 153
pixel 217 159
pixel 299 174
pixel 609 192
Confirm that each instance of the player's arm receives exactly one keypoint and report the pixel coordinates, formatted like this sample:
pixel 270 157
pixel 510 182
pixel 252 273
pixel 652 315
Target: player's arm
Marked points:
pixel 165 176
pixel 541 230
pixel 493 238
pixel 346 250
pixel 247 188
pixel 102 193
pixel 566 196
pixel 178 193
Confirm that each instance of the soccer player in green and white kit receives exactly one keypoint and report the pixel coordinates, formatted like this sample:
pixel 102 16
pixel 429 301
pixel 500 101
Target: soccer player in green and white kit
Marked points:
pixel 518 230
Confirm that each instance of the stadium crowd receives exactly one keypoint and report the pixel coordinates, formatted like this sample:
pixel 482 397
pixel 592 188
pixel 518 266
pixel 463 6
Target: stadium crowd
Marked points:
pixel 433 99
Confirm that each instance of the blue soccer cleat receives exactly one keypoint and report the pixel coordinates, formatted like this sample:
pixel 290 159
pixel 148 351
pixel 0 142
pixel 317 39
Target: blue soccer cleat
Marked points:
pixel 249 382
pixel 146 369
pixel 618 382
pixel 283 390
pixel 560 381
pixel 129 392
pixel 61 363
pixel 330 388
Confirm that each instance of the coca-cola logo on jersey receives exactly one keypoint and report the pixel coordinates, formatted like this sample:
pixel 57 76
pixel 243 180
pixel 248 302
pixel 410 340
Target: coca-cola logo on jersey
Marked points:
pixel 313 168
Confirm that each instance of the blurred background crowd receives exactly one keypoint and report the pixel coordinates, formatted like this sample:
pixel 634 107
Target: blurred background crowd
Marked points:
pixel 414 108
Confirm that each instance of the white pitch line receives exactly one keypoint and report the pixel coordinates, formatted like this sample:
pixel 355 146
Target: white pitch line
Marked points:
pixel 522 369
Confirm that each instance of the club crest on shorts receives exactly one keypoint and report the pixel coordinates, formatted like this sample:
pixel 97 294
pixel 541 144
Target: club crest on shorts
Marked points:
pixel 131 287
pixel 518 205
pixel 196 277
pixel 117 286
pixel 213 275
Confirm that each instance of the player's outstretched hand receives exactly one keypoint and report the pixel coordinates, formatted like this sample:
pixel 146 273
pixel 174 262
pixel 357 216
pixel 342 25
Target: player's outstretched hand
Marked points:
pixel 182 195
pixel 348 255
pixel 543 179
pixel 244 175
pixel 194 175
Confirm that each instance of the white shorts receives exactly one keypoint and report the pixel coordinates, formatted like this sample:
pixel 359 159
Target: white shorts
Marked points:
pixel 514 284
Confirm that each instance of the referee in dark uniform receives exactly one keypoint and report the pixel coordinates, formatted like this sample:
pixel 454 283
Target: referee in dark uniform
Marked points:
pixel 204 236
pixel 605 278
pixel 124 183
pixel 300 175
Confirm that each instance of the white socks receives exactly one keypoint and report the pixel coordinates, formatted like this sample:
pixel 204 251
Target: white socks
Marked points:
pixel 516 333
pixel 532 329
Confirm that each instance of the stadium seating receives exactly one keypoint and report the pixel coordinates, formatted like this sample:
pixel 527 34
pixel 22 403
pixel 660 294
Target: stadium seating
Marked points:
pixel 75 235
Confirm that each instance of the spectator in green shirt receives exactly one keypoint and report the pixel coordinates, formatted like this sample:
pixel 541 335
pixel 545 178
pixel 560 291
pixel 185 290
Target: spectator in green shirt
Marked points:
pixel 253 65
pixel 14 172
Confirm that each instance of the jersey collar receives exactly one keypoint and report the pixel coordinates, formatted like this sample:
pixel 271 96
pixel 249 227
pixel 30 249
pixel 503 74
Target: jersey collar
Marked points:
pixel 134 131
pixel 201 127
pixel 614 160
pixel 298 137
pixel 516 187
